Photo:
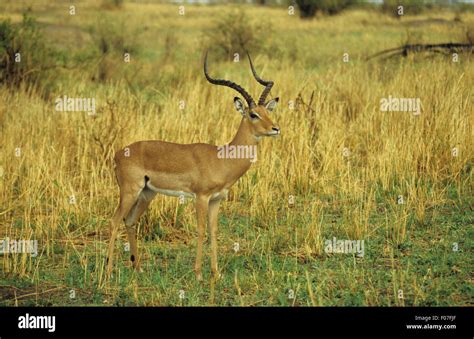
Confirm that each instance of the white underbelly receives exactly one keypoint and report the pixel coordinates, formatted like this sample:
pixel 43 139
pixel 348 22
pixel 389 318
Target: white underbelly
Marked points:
pixel 170 193
pixel 220 195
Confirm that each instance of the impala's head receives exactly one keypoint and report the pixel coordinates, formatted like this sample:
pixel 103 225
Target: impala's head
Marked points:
pixel 257 115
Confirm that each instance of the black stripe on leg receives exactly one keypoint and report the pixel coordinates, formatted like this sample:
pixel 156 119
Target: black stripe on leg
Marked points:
pixel 132 258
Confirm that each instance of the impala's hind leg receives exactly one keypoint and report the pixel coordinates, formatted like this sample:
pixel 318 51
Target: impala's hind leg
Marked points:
pixel 140 206
pixel 127 200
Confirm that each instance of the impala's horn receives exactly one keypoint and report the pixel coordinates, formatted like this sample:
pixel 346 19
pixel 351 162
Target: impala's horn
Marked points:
pixel 268 84
pixel 230 84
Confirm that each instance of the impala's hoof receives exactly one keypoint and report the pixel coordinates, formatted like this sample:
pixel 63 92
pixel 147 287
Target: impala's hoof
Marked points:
pixel 216 276
pixel 199 276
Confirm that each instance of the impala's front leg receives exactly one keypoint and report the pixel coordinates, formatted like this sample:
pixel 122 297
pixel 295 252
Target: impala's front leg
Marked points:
pixel 202 203
pixel 213 219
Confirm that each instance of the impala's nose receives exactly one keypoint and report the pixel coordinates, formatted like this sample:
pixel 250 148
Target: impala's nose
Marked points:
pixel 276 129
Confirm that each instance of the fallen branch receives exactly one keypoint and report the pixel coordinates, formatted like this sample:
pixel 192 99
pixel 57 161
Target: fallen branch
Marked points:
pixel 446 48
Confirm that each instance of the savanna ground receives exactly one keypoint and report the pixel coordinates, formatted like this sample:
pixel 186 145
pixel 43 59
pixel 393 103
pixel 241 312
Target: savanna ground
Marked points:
pixel 344 161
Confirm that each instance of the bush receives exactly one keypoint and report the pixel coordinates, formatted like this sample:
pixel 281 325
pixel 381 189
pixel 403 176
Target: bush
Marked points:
pixel 236 33
pixel 112 40
pixel 23 53
pixel 309 8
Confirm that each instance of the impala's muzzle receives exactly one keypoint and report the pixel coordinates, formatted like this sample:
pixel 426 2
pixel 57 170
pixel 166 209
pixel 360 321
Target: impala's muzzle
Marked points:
pixel 274 132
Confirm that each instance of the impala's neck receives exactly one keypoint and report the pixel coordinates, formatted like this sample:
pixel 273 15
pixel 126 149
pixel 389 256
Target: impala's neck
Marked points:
pixel 244 143
pixel 244 136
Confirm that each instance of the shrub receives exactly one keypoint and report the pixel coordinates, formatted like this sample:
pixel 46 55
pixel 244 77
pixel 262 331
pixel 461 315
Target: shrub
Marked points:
pixel 236 33
pixel 112 40
pixel 24 56
pixel 309 8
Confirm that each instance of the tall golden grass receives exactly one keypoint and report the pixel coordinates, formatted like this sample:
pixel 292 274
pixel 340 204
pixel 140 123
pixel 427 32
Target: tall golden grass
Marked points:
pixel 339 155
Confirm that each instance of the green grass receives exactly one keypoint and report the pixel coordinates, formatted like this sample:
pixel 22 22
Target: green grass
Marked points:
pixel 425 267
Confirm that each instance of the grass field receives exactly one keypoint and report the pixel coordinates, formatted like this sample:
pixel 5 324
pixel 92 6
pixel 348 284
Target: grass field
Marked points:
pixel 342 167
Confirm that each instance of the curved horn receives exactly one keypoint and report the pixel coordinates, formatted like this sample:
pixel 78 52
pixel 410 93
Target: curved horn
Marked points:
pixel 230 84
pixel 268 84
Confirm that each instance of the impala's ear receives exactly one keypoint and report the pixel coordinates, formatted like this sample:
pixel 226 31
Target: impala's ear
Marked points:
pixel 239 105
pixel 270 106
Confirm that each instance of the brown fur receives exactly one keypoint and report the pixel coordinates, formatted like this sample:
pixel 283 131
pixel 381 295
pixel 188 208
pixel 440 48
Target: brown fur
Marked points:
pixel 191 168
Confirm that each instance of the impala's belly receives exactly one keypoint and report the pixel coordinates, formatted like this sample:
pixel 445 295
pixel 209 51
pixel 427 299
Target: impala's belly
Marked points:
pixel 176 193
pixel 171 193
pixel 220 195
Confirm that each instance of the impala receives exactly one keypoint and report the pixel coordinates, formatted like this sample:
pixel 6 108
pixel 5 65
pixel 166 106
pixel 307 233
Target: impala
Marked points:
pixel 146 168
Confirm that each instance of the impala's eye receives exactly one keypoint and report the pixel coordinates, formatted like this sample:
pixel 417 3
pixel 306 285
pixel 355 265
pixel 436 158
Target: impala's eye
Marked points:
pixel 253 116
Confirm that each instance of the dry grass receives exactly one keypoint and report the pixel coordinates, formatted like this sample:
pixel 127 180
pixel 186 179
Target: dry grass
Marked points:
pixel 335 106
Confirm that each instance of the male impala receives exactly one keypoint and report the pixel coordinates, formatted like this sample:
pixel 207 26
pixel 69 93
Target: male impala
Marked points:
pixel 146 168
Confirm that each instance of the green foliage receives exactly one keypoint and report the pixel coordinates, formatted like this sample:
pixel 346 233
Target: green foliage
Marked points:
pixel 112 40
pixel 464 7
pixel 237 33
pixel 309 8
pixel 23 54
